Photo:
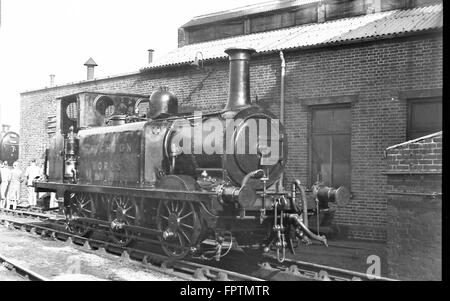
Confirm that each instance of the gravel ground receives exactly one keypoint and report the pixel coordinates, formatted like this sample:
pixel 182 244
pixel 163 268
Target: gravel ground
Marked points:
pixel 58 260
pixel 7 275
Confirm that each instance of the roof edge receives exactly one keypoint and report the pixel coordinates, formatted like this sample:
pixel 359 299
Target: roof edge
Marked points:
pixel 81 82
pixel 416 33
pixel 415 140
pixel 183 64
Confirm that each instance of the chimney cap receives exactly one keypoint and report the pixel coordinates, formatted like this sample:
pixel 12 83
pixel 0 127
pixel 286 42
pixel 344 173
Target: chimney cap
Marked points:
pixel 151 50
pixel 90 62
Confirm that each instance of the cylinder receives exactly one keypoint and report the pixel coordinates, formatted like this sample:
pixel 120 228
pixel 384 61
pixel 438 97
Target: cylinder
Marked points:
pixel 326 195
pixel 239 82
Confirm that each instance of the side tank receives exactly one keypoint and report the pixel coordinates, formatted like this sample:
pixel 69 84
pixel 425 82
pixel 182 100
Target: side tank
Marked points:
pixel 112 155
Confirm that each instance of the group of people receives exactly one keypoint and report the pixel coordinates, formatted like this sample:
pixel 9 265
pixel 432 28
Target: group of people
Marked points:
pixel 11 180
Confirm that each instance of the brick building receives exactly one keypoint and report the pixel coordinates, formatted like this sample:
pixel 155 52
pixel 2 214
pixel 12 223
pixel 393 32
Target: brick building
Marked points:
pixel 357 75
pixel 414 215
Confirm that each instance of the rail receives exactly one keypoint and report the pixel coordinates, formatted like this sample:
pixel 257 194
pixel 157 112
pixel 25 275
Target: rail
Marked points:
pixel 20 270
pixel 150 260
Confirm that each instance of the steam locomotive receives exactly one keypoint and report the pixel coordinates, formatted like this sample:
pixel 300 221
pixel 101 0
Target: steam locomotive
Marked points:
pixel 9 145
pixel 199 184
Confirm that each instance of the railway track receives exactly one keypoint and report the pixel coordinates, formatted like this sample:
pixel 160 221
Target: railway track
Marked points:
pixel 183 269
pixel 313 271
pixel 20 270
pixel 269 268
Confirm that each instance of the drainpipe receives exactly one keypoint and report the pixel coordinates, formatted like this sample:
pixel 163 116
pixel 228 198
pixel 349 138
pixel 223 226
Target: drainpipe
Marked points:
pixel 283 75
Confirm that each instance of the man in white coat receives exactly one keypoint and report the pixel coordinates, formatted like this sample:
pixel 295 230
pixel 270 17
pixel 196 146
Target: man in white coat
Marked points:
pixel 31 173
pixel 5 175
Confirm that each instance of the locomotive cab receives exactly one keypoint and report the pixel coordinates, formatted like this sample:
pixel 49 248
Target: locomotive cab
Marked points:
pixel 87 110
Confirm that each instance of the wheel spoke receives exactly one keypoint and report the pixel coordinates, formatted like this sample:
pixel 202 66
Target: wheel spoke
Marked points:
pixel 185 225
pixel 185 236
pixel 130 216
pixel 180 240
pixel 85 204
pixel 182 208
pixel 183 217
pixel 167 207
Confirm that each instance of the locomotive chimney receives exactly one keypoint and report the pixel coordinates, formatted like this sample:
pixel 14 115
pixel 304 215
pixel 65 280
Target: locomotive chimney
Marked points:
pixel 90 64
pixel 239 90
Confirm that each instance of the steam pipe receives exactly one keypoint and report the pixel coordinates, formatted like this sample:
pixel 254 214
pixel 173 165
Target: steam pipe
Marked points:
pixel 296 219
pixel 283 76
pixel 299 185
pixel 259 173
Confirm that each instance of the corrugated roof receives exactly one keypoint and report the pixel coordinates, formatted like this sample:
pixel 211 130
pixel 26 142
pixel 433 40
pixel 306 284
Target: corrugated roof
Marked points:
pixel 356 28
pixel 246 10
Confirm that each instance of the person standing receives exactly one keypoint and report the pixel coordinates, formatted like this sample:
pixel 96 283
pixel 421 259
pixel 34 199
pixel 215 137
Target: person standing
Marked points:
pixel 16 178
pixel 5 175
pixel 31 173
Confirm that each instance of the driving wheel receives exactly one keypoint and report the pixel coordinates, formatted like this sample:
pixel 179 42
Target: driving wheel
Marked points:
pixel 180 226
pixel 81 205
pixel 122 212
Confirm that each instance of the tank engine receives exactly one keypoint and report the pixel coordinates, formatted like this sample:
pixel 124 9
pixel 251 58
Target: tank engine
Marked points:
pixel 195 181
pixel 9 145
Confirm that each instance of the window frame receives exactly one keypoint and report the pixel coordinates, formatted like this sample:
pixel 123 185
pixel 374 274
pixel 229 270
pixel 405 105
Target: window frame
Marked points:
pixel 406 96
pixel 311 133
pixel 409 105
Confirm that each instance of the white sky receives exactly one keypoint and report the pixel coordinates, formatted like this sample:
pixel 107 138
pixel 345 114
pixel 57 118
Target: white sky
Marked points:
pixel 43 37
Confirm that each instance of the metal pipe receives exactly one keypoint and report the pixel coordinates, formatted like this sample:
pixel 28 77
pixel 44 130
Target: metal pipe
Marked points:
pixel 303 198
pixel 283 76
pixel 259 173
pixel 296 218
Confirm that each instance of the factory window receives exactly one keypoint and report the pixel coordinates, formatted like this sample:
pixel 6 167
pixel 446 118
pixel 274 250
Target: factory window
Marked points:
pixel 424 117
pixel 335 9
pixel 229 29
pixel 404 4
pixel 306 14
pixel 272 22
pixel 216 31
pixel 393 4
pixel 330 145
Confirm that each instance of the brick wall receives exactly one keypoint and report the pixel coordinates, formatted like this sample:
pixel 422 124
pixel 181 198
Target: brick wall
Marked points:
pixel 373 73
pixel 414 215
pixel 419 155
